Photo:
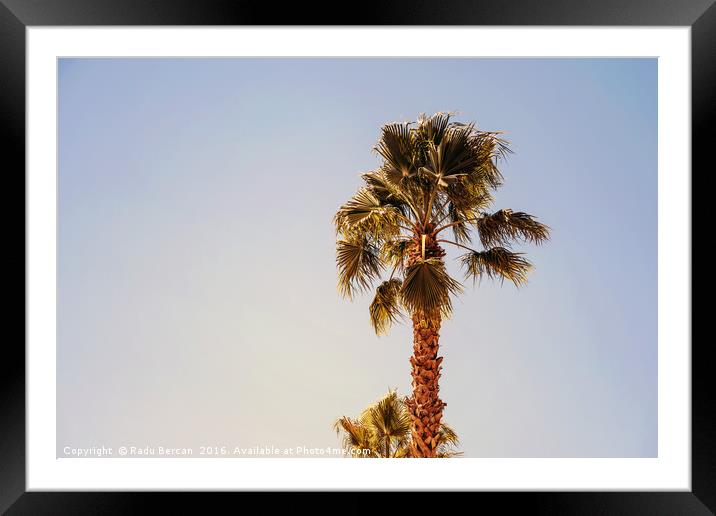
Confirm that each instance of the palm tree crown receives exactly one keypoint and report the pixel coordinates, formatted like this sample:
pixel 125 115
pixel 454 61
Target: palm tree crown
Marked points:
pixel 383 431
pixel 437 175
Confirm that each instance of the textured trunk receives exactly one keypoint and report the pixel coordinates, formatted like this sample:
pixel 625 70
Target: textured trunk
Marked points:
pixel 425 406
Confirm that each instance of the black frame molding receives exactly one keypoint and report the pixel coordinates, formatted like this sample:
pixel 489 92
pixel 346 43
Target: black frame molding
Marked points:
pixel 16 15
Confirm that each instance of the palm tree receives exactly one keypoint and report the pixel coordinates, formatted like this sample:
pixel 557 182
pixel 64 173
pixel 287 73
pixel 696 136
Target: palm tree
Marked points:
pixel 383 430
pixel 436 175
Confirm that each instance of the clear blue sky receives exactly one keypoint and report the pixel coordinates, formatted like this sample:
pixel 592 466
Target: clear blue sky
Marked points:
pixel 196 279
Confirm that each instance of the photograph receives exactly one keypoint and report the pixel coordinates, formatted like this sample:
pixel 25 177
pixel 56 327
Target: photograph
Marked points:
pixel 262 244
pixel 357 257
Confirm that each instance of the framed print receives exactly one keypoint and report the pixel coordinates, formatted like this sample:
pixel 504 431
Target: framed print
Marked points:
pixel 262 245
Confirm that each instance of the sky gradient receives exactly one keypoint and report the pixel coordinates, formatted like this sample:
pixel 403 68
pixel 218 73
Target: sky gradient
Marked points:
pixel 197 300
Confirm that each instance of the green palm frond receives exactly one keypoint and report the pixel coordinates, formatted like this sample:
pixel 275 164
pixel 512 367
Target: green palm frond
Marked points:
pixel 384 430
pixel 459 229
pixel 356 437
pixel 395 251
pixel 503 226
pixel 358 208
pixel 454 156
pixel 396 147
pixel 489 148
pixel 402 451
pixel 427 287
pixel 358 265
pixel 469 197
pixel 388 416
pixel 448 442
pixel 387 193
pixel 448 435
pixel 385 308
pixel 364 213
pixel 496 262
pixel 433 128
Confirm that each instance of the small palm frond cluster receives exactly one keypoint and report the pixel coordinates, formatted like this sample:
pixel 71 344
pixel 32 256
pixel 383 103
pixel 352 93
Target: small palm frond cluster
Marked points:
pixel 383 431
pixel 435 175
pixel 427 285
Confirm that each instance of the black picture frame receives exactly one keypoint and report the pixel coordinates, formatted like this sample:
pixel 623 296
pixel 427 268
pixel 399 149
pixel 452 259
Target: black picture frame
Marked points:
pixel 16 15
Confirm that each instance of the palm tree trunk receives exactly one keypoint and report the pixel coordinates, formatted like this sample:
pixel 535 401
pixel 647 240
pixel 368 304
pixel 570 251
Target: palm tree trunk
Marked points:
pixel 425 406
